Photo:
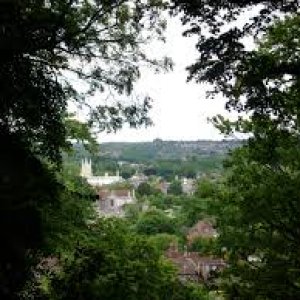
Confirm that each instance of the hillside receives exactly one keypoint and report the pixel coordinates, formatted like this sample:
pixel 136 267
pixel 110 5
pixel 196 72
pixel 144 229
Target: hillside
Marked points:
pixel 167 150
pixel 163 158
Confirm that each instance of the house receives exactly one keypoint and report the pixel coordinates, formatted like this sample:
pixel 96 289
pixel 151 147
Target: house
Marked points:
pixel 137 179
pixel 163 186
pixel 188 186
pixel 193 267
pixel 111 202
pixel 202 229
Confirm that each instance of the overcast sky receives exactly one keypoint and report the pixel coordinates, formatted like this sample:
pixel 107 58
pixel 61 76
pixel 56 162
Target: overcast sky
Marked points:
pixel 180 110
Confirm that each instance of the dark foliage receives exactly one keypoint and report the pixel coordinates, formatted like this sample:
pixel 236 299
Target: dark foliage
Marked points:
pixel 43 44
pixel 220 44
pixel 25 186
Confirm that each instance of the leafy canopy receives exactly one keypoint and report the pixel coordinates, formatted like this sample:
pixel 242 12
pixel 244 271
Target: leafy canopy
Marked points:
pixel 258 213
pixel 58 51
pixel 259 205
pixel 114 263
pixel 222 27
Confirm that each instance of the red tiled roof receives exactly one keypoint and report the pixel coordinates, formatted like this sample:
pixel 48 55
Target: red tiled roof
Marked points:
pixel 118 193
pixel 201 229
pixel 194 265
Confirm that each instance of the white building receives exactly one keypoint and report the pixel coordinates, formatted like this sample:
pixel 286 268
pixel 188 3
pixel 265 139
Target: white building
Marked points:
pixel 188 186
pixel 137 179
pixel 97 181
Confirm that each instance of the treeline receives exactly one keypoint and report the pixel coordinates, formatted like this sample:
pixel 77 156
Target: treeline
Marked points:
pixel 168 150
pixel 191 167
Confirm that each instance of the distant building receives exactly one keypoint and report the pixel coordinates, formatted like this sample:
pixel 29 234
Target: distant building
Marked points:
pixel 188 186
pixel 202 229
pixel 193 267
pixel 111 202
pixel 163 187
pixel 137 179
pixel 97 181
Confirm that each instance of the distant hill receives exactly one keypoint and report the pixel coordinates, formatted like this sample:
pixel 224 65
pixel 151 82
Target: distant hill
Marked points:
pixel 167 159
pixel 167 150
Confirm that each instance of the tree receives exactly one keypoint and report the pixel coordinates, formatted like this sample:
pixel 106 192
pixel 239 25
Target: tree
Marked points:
pixel 205 246
pixel 175 188
pixel 206 189
pixel 149 171
pixel 26 185
pixel 194 209
pixel 162 241
pixel 256 217
pixel 145 189
pixel 116 264
pixel 49 48
pixel 80 133
pixel 220 45
pixel 53 52
pixel 153 222
pixel 259 211
pixel 66 221
pixel 127 173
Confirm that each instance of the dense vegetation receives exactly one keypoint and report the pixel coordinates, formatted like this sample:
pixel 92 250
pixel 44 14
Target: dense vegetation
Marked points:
pixel 258 212
pixel 53 246
pixel 47 48
pixel 168 150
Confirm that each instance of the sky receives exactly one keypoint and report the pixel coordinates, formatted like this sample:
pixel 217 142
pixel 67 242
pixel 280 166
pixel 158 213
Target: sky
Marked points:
pixel 180 109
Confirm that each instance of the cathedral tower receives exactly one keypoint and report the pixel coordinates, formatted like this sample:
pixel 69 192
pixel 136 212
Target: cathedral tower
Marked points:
pixel 86 168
